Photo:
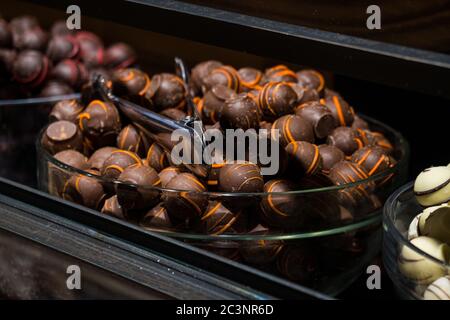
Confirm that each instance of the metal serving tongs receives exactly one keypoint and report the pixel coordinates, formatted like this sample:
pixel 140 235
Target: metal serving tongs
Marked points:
pixel 159 127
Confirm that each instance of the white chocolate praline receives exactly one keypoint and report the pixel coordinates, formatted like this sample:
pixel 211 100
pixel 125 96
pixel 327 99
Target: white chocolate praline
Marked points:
pixel 432 186
pixel 420 269
pixel 417 223
pixel 436 224
pixel 438 290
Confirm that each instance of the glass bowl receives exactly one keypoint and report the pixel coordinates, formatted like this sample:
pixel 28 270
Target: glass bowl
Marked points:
pixel 338 236
pixel 399 211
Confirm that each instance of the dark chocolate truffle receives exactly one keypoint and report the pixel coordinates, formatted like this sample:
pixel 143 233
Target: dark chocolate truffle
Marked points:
pixel 100 124
pixel 241 177
pixel 217 219
pixel 311 79
pixel 304 157
pixel 304 95
pixel 140 194
pixel 120 55
pixel 113 208
pixel 343 114
pixel 211 105
pixel 166 91
pixel 132 139
pixel 293 128
pixel 372 159
pixel 132 83
pixel 260 252
pixel 381 141
pixel 250 78
pixel 58 176
pixel 167 174
pixel 280 73
pixel 59 28
pixel 62 47
pixel 62 135
pixel 346 139
pixel 66 110
pixel 71 72
pixel 330 156
pixel 189 202
pixel 277 99
pixel 199 73
pixel 156 218
pixel 98 158
pixel 91 49
pixel 23 22
pixel 319 116
pixel 30 67
pixel 84 190
pixel 30 39
pixel 347 172
pixel 224 75
pixel 240 112
pixel 156 157
pixel 117 162
pixel 72 158
pixel 282 210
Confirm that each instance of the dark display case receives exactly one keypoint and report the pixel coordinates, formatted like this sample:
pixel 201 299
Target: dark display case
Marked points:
pixel 40 236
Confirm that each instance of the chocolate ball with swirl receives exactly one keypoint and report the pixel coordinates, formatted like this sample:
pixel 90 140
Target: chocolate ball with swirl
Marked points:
pixel 330 156
pixel 211 105
pixel 84 190
pixel 347 172
pixel 30 68
pixel 379 140
pixel 304 95
pixel 98 158
pixel 72 72
pixel 276 99
pixel 251 78
pixel 117 162
pixel 133 84
pixel 199 73
pixel 343 114
pixel 240 112
pixel 167 174
pixel 137 191
pixel 292 128
pixel 304 157
pixel 91 49
pixel 346 139
pixel 156 157
pixel 119 55
pixel 132 139
pixel 156 218
pixel 100 124
pixel 68 110
pixel 279 209
pixel 34 38
pixel 62 135
pixel 218 219
pixel 240 177
pixel 260 252
pixel 112 208
pixel 280 73
pixel 63 47
pixel 224 75
pixel 166 91
pixel 187 202
pixel 319 116
pixel 372 159
pixel 311 79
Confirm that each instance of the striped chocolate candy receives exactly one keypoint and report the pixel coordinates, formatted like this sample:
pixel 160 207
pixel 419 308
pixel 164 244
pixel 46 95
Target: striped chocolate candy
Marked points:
pixel 343 114
pixel 156 157
pixel 130 82
pixel 346 139
pixel 218 219
pixel 311 79
pixel 166 91
pixel 432 186
pixel 224 75
pixel 251 78
pixel 276 99
pixel 293 128
pixel 304 157
pixel 117 162
pixel 240 177
pixel 347 172
pixel 167 174
pixel 280 73
pixel 372 159
pixel 132 139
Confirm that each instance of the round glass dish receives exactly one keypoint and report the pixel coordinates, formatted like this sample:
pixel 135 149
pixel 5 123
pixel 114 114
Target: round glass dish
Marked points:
pixel 399 211
pixel 325 256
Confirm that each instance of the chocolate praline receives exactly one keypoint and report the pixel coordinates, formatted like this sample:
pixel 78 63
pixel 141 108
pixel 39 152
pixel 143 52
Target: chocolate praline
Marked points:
pixel 132 139
pixel 343 114
pixel 62 47
pixel 72 158
pixel 166 91
pixel 293 128
pixel 30 39
pixel 280 73
pixel 347 172
pixel 59 28
pixel 276 99
pixel 224 75
pixel 372 159
pixel 62 135
pixel 330 156
pixel 100 124
pixel 304 94
pixel 84 190
pixel 66 110
pixel 30 67
pixel 211 105
pixel 156 157
pixel 304 157
pixel 98 158
pixel 359 123
pixel 140 194
pixel 156 218
pixel 311 79
pixel 119 55
pixel 167 174
pixel 240 112
pixel 71 72
pixel 91 49
pixel 112 207
pixel 199 73
pixel 281 210
pixel 58 176
pixel 250 78
pixel 319 116
pixel 218 219
pixel 117 162
pixel 241 177
pixel 174 113
pixel 346 139
pixel 381 141
pixel 131 83
pixel 188 203
pixel 23 22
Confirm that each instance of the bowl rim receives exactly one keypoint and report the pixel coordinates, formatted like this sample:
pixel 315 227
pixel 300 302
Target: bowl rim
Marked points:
pixel 403 147
pixel 389 212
